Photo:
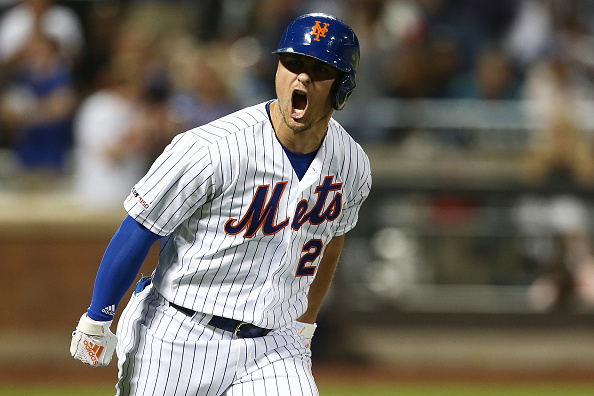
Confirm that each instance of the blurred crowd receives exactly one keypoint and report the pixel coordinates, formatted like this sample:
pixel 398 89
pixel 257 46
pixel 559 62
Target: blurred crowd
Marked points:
pixel 98 88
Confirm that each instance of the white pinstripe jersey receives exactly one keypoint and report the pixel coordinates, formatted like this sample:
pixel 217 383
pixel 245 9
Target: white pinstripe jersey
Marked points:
pixel 244 234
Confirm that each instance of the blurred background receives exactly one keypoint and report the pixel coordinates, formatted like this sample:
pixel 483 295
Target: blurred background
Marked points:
pixel 473 254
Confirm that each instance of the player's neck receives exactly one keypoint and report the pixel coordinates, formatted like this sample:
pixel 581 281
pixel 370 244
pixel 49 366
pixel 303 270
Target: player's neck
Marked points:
pixel 300 142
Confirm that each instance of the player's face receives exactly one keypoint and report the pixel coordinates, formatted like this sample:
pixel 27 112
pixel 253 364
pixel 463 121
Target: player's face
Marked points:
pixel 303 87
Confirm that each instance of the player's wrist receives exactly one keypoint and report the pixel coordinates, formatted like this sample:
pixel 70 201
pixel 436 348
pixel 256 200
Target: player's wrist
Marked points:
pixel 307 318
pixel 98 316
pixel 93 327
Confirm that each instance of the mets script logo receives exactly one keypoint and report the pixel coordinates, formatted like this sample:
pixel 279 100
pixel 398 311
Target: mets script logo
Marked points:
pixel 318 30
pixel 261 214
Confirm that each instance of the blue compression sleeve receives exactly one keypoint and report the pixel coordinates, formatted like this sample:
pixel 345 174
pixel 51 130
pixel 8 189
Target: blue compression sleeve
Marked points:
pixel 120 264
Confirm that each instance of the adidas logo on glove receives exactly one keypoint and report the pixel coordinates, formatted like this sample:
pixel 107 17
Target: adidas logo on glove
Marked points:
pixel 94 351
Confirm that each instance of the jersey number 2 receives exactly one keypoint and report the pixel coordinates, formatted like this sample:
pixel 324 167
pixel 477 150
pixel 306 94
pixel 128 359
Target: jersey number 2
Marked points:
pixel 313 249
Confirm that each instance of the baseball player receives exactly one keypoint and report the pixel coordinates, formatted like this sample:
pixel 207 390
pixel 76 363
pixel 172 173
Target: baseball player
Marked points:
pixel 250 212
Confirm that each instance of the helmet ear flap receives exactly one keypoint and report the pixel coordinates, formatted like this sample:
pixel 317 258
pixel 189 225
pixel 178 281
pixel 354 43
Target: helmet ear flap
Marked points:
pixel 342 90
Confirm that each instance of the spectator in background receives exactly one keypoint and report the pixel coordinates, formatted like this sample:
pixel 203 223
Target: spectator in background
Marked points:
pixel 383 28
pixel 21 25
pixel 555 226
pixel 532 31
pixel 31 17
pixel 560 156
pixel 37 107
pixel 444 59
pixel 472 23
pixel 205 95
pixel 121 127
pixel 555 85
pixel 155 123
pixel 102 20
pixel 491 78
pixel 559 159
pixel 109 155
pixel 405 73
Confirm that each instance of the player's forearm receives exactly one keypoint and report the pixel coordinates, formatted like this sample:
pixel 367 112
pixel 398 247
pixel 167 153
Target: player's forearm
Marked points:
pixel 120 265
pixel 321 284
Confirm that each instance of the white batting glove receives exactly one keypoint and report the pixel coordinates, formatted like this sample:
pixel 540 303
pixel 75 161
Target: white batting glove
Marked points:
pixel 93 343
pixel 307 330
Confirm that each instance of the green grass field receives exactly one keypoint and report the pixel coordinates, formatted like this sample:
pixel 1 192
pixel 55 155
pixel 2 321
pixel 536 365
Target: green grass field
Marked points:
pixel 326 389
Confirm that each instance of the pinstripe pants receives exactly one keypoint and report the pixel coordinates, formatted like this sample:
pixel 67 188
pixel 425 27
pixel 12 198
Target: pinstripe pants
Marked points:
pixel 161 351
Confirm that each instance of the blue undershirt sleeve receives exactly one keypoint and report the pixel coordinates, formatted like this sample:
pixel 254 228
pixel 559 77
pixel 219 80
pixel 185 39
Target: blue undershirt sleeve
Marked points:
pixel 119 267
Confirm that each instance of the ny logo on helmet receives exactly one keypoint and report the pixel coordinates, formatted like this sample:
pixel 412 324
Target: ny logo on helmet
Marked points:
pixel 318 30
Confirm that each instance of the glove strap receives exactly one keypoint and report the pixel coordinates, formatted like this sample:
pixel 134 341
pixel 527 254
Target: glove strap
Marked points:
pixel 308 329
pixel 92 327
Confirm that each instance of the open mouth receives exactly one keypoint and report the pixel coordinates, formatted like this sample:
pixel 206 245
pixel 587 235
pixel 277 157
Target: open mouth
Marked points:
pixel 299 100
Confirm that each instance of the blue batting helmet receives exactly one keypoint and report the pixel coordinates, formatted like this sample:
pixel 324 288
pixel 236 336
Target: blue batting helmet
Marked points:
pixel 330 40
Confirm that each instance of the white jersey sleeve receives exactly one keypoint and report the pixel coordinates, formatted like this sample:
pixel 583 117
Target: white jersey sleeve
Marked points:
pixel 179 181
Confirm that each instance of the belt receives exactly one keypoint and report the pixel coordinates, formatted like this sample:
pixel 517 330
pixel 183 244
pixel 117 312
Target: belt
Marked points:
pixel 238 328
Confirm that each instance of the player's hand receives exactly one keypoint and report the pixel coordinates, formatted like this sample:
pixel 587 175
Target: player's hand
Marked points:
pixel 307 330
pixel 93 343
